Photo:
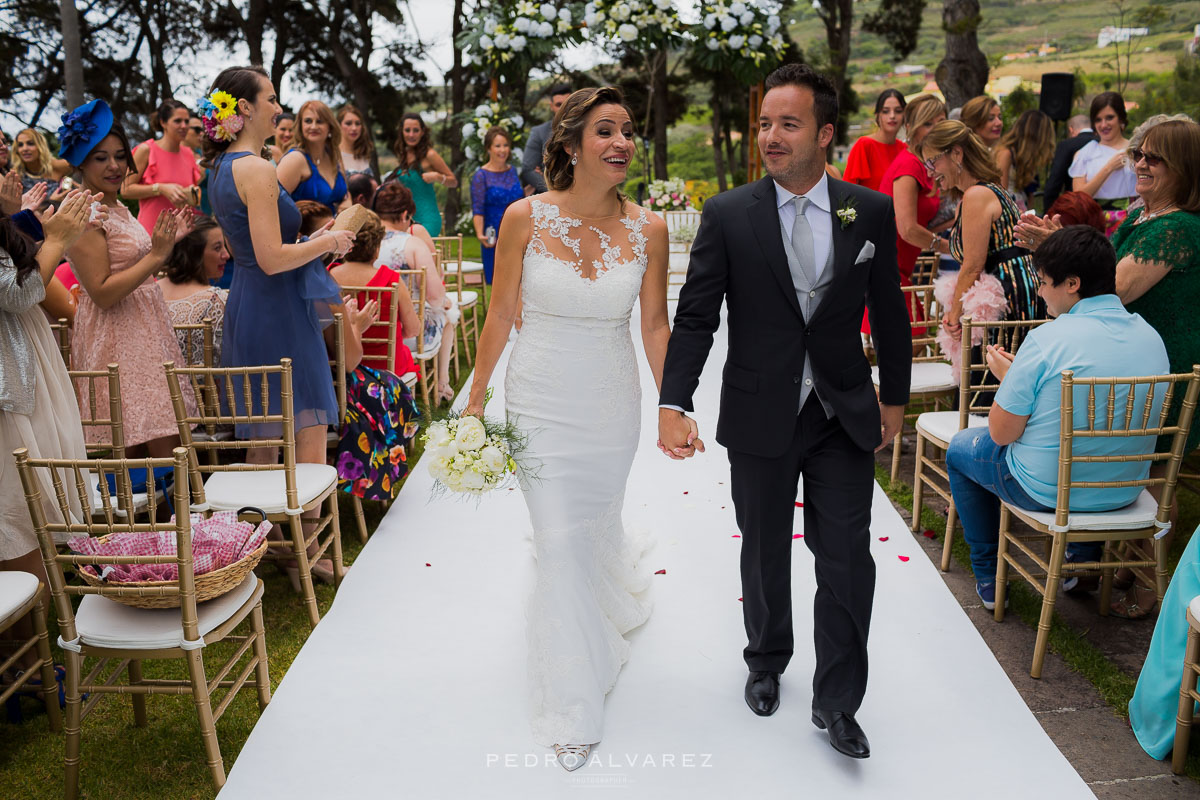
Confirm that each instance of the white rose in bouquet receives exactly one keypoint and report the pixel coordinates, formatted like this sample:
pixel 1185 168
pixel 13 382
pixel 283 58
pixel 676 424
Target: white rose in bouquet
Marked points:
pixel 503 40
pixel 546 30
pixel 522 24
pixel 746 17
pixel 627 32
pixel 712 44
pixel 737 9
pixel 736 41
pixel 622 12
pixel 662 5
pixel 486 42
pixel 438 434
pixel 469 152
pixel 755 40
pixel 710 21
pixel 483 111
pixel 772 23
pixel 472 481
pixel 489 25
pixel 549 11
pixel 468 130
pixel 728 23
pixel 492 459
pixel 564 25
pixel 564 16
pixel 471 433
pixel 517 121
pixel 518 43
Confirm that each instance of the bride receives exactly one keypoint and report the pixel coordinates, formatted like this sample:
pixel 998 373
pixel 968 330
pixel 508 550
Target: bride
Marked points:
pixel 578 256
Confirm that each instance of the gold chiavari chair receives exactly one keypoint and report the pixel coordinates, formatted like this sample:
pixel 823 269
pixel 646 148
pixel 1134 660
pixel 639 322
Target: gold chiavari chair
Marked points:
pixel 62 334
pixel 21 597
pixel 426 357
pixel 935 429
pixel 197 344
pixel 457 274
pixel 1120 411
pixel 284 491
pixel 120 637
pixel 1188 696
pixel 933 382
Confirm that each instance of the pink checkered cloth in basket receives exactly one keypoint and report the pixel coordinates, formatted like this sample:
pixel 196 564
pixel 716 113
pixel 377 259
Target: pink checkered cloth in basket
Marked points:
pixel 217 541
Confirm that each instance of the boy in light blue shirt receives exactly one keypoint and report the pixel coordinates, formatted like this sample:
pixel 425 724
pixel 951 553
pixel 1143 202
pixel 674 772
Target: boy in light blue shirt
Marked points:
pixel 1015 458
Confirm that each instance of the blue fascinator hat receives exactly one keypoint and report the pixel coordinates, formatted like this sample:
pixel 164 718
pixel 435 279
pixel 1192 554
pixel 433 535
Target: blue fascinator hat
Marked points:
pixel 83 129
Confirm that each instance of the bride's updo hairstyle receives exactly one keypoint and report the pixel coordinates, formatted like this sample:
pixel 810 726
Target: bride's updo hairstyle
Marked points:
pixel 567 131
pixel 242 84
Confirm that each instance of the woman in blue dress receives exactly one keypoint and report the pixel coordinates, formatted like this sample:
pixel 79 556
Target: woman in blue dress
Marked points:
pixel 312 170
pixel 282 299
pixel 494 187
pixel 420 168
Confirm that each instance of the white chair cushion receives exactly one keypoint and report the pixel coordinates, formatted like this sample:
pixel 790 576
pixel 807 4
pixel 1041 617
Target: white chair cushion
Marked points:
pixel 140 500
pixel 1194 607
pixel 1138 514
pixel 229 491
pixel 409 379
pixel 928 377
pixel 103 622
pixel 467 299
pixel 16 589
pixel 942 425
pixel 467 266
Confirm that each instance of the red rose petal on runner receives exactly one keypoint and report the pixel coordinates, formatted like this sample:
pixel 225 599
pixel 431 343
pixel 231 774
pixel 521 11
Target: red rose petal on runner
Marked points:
pixel 799 505
pixel 661 572
pixel 883 538
pixel 902 558
pixel 797 535
pixel 739 599
pixel 736 536
pixel 928 534
pixel 428 564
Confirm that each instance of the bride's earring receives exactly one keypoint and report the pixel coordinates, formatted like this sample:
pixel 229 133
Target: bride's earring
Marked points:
pixel 574 160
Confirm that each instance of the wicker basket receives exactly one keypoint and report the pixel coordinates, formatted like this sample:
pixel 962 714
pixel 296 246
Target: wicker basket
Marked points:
pixel 209 585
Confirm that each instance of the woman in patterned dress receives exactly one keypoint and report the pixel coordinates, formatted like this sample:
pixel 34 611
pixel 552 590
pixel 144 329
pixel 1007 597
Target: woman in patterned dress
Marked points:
pixel 982 239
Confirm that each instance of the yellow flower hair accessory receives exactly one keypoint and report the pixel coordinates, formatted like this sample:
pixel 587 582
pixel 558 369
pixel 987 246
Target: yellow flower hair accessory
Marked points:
pixel 224 103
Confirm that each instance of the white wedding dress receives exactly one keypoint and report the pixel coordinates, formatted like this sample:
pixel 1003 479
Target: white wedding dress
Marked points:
pixel 572 386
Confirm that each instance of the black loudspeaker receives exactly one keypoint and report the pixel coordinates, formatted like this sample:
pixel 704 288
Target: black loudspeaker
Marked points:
pixel 1058 90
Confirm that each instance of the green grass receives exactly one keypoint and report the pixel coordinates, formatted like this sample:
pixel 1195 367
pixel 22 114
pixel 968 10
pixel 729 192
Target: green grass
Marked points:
pixel 1114 685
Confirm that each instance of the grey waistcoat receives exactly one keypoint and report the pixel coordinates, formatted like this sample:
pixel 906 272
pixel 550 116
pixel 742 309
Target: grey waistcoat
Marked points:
pixel 810 297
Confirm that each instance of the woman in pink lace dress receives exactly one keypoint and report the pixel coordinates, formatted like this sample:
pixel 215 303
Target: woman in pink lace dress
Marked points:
pixel 122 316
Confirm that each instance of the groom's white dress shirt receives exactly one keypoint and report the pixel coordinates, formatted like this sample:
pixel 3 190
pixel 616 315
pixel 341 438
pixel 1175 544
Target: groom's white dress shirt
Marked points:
pixel 819 215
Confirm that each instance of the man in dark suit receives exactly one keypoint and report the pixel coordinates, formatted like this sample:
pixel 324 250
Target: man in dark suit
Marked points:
pixel 1079 133
pixel 531 159
pixel 795 256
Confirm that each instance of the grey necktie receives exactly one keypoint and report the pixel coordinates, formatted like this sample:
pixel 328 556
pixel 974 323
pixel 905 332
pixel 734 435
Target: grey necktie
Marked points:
pixel 802 242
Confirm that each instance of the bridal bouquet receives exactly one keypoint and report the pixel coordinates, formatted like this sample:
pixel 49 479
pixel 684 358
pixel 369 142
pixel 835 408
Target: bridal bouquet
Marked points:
pixel 668 195
pixel 472 455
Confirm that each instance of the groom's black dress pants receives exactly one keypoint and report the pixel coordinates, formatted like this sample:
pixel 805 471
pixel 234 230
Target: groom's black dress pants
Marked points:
pixel 839 481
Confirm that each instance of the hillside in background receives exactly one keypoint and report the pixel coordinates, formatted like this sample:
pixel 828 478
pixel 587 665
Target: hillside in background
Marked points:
pixel 1011 27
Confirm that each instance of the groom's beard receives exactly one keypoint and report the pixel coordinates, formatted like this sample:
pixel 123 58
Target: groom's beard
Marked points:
pixel 796 167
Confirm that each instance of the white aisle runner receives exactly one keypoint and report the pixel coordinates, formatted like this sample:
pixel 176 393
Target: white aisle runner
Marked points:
pixel 413 686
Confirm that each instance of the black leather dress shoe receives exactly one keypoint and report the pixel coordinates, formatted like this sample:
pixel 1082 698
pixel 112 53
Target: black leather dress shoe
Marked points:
pixel 762 692
pixel 845 734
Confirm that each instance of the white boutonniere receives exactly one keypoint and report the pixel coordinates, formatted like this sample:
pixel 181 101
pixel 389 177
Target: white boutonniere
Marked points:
pixel 847 213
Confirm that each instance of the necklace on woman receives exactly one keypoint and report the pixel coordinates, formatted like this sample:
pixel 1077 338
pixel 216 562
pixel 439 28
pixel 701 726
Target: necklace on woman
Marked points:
pixel 1148 215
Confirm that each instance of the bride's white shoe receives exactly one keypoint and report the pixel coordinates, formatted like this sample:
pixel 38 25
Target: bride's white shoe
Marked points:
pixel 572 756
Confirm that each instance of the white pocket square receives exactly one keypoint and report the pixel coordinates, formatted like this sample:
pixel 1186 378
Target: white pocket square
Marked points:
pixel 868 251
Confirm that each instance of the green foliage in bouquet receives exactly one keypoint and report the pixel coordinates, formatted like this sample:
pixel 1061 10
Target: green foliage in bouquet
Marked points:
pixel 508 39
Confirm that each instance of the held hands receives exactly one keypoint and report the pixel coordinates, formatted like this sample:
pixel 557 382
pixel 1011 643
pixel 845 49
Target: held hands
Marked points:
pixel 178 195
pixel 678 435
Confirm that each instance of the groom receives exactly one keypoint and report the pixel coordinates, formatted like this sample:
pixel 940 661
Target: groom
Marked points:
pixel 795 256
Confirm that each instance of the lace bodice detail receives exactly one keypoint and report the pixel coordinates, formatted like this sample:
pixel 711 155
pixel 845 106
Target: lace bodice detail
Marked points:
pixel 573 269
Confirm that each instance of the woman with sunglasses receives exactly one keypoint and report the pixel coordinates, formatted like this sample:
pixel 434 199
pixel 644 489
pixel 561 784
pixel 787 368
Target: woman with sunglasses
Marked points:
pixel 1158 270
pixel 998 270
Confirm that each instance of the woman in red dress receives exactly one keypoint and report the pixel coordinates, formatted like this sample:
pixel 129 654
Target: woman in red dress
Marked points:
pixel 872 154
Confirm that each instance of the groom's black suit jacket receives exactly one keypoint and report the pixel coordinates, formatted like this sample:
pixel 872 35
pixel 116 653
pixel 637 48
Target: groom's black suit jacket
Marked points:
pixel 738 256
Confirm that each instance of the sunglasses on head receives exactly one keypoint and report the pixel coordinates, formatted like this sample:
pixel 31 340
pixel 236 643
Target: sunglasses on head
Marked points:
pixel 1138 154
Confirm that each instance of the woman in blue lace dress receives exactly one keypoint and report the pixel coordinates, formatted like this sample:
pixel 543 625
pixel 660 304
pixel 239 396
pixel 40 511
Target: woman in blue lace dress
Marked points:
pixel 282 299
pixel 494 187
